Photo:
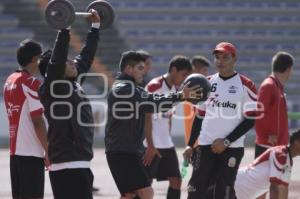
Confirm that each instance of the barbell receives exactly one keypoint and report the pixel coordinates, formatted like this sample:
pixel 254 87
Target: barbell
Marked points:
pixel 60 14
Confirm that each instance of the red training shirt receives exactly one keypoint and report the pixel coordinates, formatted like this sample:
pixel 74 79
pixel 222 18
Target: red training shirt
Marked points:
pixel 274 119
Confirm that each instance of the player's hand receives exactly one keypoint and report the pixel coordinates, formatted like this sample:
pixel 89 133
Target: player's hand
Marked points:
pixel 273 139
pixel 150 153
pixel 187 153
pixel 194 92
pixel 218 146
pixel 94 18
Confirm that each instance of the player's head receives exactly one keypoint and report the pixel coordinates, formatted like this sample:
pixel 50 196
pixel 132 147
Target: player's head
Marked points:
pixel 179 68
pixel 70 71
pixel 148 59
pixel 295 136
pixel 282 62
pixel 132 63
pixel 295 141
pixel 28 53
pixel 200 65
pixel 225 57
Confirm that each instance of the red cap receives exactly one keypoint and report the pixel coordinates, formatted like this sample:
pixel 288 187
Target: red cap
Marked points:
pixel 225 47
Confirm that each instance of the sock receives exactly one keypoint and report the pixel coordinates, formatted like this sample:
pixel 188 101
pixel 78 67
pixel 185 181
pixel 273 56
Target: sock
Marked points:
pixel 173 193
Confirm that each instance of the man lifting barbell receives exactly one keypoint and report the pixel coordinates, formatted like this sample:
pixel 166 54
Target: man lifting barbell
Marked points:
pixel 70 142
pixel 60 14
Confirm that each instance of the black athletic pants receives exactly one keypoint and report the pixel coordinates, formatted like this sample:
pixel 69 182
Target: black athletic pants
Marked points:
pixel 214 174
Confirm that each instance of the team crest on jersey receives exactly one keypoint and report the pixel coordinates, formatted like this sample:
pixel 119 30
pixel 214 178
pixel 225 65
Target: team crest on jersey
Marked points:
pixel 232 162
pixel 232 89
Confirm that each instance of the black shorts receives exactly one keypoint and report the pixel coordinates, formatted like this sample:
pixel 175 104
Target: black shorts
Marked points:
pixel 128 172
pixel 214 174
pixel 164 167
pixel 72 183
pixel 27 176
pixel 259 150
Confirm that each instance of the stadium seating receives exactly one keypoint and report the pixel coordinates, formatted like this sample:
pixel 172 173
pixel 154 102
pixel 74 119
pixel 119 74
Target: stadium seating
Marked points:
pixel 259 28
pixel 10 36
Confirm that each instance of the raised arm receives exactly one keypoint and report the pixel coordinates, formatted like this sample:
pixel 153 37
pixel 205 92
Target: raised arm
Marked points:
pixel 57 64
pixel 85 59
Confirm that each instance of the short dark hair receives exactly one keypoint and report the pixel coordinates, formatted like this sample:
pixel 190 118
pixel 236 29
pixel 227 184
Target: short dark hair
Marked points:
pixel 27 49
pixel 44 60
pixel 200 60
pixel 180 62
pixel 282 61
pixel 130 58
pixel 295 136
pixel 144 53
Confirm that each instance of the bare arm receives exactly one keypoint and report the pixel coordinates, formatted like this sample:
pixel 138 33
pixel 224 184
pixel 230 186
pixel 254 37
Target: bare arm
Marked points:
pixel 278 191
pixel 151 151
pixel 148 129
pixel 40 130
pixel 41 133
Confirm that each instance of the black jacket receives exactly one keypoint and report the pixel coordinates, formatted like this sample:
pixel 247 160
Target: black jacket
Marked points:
pixel 127 105
pixel 68 139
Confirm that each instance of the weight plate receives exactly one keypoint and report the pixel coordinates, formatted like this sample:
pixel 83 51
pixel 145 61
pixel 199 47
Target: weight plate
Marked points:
pixel 60 14
pixel 105 11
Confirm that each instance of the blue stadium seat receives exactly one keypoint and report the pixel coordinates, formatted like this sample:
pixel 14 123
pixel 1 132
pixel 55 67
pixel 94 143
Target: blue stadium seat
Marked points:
pixel 274 5
pixel 196 18
pixel 178 46
pixel 177 18
pixel 211 5
pixel 223 32
pixel 239 5
pixel 270 46
pixel 254 5
pixel 277 33
pixel 8 19
pixel 168 33
pixel 292 5
pixel 251 46
pixel 248 19
pixel 244 59
pixel 185 5
pixel 132 4
pixel 197 46
pixel 132 33
pixel 202 32
pixel 158 5
pixel 266 19
pixel 212 19
pixel 241 33
pixel 230 19
pixel 142 45
pixel 284 19
pixel 297 19
pixel 260 33
pixel 263 59
pixel 289 47
pixel 150 33
pixel 116 4
pixel 160 46
pixel 294 33
pixel 9 44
